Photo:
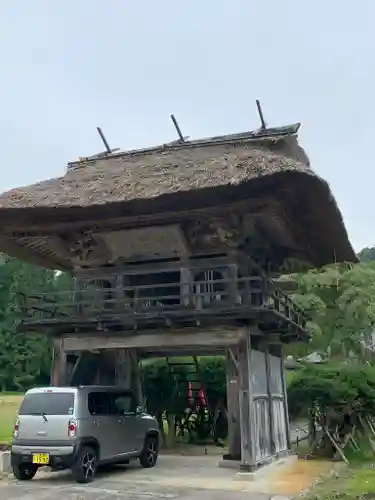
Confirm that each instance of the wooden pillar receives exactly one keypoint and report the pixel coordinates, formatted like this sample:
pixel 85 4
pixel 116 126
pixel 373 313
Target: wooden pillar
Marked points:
pixel 123 368
pixel 233 406
pixel 106 371
pixel 186 286
pixel 128 374
pixel 120 283
pixel 271 415
pixel 231 275
pixel 136 379
pixel 78 295
pixel 58 368
pixel 247 414
pixel 71 361
pixel 285 394
pixel 278 398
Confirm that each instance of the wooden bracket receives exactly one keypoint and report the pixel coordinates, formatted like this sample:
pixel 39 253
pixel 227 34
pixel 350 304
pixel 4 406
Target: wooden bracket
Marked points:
pixel 233 358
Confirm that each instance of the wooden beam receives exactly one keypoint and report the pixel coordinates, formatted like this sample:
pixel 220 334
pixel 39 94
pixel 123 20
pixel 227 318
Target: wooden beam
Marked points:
pixel 21 252
pixel 152 267
pixel 233 358
pixel 115 223
pixel 175 339
pixel 189 351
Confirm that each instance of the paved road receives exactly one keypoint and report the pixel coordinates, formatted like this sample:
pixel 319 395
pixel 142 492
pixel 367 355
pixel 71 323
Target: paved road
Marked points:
pixel 182 477
pixel 185 478
pixel 111 488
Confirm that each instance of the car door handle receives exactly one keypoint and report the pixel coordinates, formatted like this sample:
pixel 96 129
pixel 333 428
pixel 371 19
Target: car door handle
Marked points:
pixel 96 422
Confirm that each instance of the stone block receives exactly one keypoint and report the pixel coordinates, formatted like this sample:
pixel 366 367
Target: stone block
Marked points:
pixel 5 467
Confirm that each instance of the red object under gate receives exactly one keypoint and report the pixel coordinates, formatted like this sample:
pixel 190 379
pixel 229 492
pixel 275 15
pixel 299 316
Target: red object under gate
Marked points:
pixel 201 398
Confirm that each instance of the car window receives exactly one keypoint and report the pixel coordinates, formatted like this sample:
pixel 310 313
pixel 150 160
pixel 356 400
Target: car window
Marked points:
pixel 124 403
pixel 99 403
pixel 49 403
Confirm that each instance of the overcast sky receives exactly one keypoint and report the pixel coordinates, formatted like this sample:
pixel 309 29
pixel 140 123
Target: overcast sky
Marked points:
pixel 70 65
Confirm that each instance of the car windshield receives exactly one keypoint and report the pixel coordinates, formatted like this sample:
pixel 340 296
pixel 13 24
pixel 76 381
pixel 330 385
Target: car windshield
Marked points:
pixel 48 403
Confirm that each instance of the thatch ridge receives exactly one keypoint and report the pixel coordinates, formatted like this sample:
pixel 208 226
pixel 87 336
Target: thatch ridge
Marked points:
pixel 164 170
pixel 259 136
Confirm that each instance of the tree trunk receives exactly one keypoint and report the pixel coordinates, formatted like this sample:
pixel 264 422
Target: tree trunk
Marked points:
pixel 312 431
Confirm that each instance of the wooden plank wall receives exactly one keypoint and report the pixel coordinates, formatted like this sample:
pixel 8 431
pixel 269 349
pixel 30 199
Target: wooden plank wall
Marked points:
pixel 280 425
pixel 269 400
pixel 262 403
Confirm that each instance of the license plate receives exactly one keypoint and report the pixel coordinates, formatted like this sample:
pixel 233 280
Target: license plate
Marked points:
pixel 40 458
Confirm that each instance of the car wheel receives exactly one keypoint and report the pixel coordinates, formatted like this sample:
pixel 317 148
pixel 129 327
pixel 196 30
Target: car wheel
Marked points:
pixel 24 472
pixel 149 453
pixel 85 465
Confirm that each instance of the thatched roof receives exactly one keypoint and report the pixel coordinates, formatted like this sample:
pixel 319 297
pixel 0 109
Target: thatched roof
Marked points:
pixel 163 170
pixel 217 169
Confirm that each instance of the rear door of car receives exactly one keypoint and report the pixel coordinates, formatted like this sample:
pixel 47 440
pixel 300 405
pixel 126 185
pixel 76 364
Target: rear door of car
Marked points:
pixel 44 416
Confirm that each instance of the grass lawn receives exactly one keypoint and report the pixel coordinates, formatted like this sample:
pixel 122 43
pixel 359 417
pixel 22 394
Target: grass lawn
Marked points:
pixel 355 482
pixel 9 404
pixel 361 481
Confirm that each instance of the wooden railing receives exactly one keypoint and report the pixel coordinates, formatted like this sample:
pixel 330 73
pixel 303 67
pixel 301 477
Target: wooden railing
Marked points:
pixel 206 297
pixel 284 305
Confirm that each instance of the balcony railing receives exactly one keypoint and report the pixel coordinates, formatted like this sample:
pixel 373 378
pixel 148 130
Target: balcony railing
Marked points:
pixel 241 298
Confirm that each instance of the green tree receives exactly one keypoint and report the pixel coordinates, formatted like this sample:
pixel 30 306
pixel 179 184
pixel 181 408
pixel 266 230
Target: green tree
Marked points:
pixel 24 358
pixel 337 396
pixel 340 300
pixel 367 254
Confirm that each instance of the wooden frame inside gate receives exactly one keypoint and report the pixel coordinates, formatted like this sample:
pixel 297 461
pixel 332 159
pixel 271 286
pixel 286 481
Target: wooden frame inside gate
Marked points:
pixel 258 427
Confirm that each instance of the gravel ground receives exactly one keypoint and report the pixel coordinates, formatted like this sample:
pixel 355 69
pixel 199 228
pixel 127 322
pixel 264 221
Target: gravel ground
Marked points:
pixel 186 478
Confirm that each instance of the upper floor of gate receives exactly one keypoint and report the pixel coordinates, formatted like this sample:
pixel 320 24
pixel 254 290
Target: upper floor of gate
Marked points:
pixel 149 296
